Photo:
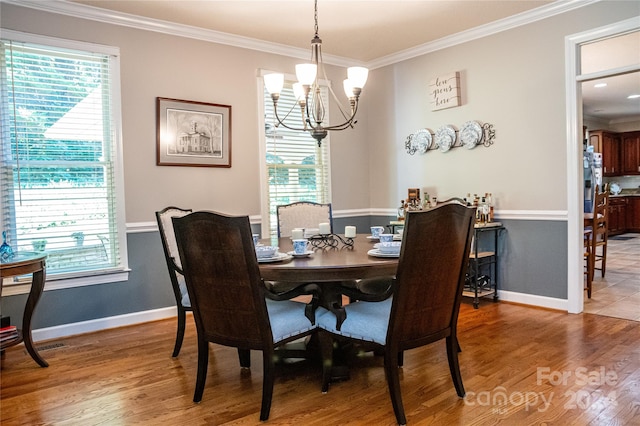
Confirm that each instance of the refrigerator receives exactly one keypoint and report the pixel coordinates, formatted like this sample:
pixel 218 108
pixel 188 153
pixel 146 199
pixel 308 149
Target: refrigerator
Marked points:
pixel 592 176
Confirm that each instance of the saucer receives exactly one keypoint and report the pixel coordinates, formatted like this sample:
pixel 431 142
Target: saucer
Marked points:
pixel 294 254
pixel 276 258
pixel 378 253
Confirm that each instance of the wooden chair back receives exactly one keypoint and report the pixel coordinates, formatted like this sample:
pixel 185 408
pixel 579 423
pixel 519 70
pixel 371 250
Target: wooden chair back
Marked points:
pixel 223 280
pixel 172 259
pixel 430 278
pixel 302 214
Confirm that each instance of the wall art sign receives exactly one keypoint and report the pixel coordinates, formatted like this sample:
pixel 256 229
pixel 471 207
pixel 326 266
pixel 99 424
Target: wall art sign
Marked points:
pixel 193 133
pixel 445 91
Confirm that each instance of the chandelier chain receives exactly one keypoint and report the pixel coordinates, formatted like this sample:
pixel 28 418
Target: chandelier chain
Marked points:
pixel 315 16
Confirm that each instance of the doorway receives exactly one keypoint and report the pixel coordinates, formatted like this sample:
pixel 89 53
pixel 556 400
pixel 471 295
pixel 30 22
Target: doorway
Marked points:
pixel 574 79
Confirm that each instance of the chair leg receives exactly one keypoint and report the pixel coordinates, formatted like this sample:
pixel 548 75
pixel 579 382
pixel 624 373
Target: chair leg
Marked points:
pixel 400 358
pixel 393 381
pixel 203 364
pixel 604 259
pixel 180 332
pixel 326 349
pixel 267 384
pixel 244 355
pixel 454 367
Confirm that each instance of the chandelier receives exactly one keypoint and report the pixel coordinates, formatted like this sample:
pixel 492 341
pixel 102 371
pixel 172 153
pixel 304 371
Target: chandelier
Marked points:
pixel 308 96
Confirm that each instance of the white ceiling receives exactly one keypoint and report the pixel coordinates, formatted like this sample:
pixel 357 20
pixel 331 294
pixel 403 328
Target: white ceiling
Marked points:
pixel 366 31
pixel 363 30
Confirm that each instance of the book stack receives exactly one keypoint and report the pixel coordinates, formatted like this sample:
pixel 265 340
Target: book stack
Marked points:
pixel 8 334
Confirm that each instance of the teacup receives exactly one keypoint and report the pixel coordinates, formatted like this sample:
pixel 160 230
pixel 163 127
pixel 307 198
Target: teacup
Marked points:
pixel 392 247
pixel 300 246
pixel 263 252
pixel 385 238
pixel 376 231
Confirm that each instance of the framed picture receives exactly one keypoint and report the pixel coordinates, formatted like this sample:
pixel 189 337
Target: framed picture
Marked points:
pixel 192 133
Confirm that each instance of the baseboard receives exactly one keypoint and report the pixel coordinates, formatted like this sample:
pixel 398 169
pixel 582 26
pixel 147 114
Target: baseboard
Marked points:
pixel 102 323
pixel 532 299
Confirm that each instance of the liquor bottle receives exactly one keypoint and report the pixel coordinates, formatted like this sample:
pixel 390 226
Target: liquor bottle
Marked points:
pixel 490 202
pixel 401 210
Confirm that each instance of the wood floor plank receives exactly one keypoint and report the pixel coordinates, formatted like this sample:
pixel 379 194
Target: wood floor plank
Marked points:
pixel 520 366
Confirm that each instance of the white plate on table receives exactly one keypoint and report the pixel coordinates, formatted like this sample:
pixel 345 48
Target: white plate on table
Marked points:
pixel 371 237
pixel 277 258
pixel 306 254
pixel 378 253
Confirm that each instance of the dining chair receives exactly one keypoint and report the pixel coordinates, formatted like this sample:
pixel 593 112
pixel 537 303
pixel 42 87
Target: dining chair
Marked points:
pixel 175 268
pixel 307 214
pixel 588 264
pixel 600 229
pixel 425 301
pixel 302 214
pixel 228 297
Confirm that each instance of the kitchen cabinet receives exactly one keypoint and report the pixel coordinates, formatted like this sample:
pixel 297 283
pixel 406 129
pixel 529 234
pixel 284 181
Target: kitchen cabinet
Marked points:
pixel 633 214
pixel 617 215
pixel 609 145
pixel 630 163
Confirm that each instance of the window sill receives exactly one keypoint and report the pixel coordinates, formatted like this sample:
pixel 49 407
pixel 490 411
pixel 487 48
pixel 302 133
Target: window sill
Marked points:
pixel 60 282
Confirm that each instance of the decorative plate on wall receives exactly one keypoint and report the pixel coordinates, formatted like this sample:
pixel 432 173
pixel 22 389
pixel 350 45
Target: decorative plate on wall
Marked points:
pixel 470 134
pixel 445 138
pixel 421 140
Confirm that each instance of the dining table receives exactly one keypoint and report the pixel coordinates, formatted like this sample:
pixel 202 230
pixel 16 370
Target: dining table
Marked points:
pixel 330 268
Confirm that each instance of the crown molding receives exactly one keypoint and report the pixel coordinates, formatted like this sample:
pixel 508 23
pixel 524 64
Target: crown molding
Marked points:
pixel 82 11
pixel 133 21
pixel 524 18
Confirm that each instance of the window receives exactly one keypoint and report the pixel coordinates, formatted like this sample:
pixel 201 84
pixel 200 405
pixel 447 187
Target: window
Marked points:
pixel 60 163
pixel 296 168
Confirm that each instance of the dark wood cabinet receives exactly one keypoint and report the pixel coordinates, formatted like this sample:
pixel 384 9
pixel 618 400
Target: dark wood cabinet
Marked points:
pixel 633 214
pixel 617 215
pixel 630 153
pixel 610 146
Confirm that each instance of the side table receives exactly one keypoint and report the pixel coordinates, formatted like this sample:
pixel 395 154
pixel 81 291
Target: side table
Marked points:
pixel 21 264
pixel 478 284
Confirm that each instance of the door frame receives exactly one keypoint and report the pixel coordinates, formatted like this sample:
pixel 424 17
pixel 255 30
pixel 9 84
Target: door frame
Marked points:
pixel 575 195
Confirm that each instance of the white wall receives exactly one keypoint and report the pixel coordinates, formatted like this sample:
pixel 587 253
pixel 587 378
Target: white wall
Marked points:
pixel 513 80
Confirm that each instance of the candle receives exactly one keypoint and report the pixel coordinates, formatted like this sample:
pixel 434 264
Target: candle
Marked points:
pixel 297 234
pixel 324 228
pixel 350 231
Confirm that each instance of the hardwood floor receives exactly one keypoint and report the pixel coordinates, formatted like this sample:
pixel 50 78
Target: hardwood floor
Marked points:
pixel 520 366
pixel 618 293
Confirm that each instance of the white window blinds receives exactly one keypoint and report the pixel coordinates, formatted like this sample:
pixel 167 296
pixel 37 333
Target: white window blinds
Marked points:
pixel 59 158
pixel 298 170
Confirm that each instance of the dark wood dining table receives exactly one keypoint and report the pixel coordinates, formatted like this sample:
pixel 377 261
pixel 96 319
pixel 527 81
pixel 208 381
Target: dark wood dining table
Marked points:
pixel 330 268
pixel 330 265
